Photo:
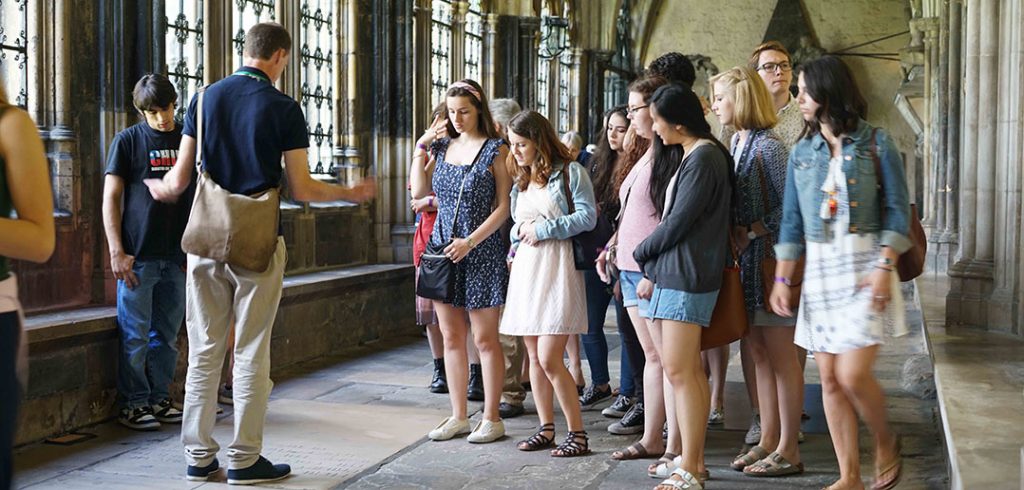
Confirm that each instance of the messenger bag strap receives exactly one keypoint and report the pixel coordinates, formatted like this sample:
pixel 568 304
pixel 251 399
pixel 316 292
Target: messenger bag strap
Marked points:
pixel 199 131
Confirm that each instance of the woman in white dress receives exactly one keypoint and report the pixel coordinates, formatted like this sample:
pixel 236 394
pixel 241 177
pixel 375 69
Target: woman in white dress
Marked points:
pixel 846 197
pixel 546 300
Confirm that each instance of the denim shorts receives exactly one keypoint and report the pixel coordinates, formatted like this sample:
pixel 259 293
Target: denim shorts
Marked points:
pixel 681 306
pixel 628 281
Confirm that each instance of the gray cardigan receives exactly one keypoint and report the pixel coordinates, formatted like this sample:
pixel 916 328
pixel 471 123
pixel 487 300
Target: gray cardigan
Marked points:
pixel 690 247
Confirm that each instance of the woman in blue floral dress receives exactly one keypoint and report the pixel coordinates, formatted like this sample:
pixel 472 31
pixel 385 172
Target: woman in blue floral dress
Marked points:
pixel 472 184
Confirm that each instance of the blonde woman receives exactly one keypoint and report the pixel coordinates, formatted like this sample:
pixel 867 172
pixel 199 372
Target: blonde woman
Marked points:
pixel 25 189
pixel 741 100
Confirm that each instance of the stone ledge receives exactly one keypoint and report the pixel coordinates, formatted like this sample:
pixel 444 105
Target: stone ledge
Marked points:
pixel 978 379
pixel 99 319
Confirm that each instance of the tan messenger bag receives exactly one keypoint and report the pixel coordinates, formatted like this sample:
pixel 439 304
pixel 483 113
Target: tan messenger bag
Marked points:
pixel 232 228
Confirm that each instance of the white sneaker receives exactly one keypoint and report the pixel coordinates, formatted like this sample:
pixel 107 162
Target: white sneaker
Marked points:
pixel 487 431
pixel 717 416
pixel 753 435
pixel 449 428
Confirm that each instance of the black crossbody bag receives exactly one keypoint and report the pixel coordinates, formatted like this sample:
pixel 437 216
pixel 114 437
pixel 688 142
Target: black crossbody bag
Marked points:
pixel 437 271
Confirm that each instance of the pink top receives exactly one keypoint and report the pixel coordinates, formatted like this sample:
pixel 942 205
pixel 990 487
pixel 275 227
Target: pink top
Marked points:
pixel 639 217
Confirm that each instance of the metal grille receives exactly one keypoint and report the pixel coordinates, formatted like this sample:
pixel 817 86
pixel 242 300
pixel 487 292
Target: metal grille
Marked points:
pixel 13 53
pixel 564 80
pixel 184 49
pixel 317 65
pixel 474 42
pixel 247 14
pixel 440 47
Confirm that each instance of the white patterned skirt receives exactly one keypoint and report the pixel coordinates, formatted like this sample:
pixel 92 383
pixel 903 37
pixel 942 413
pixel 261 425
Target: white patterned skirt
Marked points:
pixel 836 315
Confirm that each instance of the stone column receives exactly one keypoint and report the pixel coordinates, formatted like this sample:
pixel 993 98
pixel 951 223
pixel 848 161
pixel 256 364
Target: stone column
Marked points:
pixel 491 58
pixel 1005 196
pixel 947 241
pixel 61 141
pixel 421 67
pixel 988 85
pixel 458 53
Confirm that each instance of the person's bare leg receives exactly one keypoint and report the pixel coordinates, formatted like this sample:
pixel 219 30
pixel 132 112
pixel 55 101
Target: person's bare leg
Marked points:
pixel 842 423
pixel 472 353
pixel 654 402
pixel 454 330
pixel 749 375
pixel 551 349
pixel 854 370
pixel 572 349
pixel 717 367
pixel 766 391
pixel 672 445
pixel 543 393
pixel 681 360
pixel 789 383
pixel 485 335
pixel 435 340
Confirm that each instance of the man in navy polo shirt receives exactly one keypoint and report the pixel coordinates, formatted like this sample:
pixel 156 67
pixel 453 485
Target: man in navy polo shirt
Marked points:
pixel 144 237
pixel 248 127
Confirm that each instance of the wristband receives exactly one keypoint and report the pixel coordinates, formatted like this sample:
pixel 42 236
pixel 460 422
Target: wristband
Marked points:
pixel 783 280
pixel 422 147
pixel 883 268
pixel 430 202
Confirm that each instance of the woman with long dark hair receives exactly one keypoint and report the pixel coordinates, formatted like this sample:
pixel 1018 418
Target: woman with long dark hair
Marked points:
pixel 607 168
pixel 638 219
pixel 465 168
pixel 683 260
pixel 845 208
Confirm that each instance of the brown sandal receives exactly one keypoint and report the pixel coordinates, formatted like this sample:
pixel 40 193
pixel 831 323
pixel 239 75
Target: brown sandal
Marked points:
pixel 576 444
pixel 895 468
pixel 634 451
pixel 756 453
pixel 773 465
pixel 538 440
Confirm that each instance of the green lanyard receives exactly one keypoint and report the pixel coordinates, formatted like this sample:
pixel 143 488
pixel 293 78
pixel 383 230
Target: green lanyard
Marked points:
pixel 254 76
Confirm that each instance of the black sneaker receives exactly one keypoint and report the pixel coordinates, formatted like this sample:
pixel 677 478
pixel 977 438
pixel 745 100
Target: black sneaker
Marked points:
pixel 592 396
pixel 166 413
pixel 201 473
pixel 632 422
pixel 260 472
pixel 139 418
pixel 508 410
pixel 619 407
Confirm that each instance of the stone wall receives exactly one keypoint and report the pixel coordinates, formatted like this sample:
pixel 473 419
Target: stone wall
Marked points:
pixel 74 355
pixel 728 31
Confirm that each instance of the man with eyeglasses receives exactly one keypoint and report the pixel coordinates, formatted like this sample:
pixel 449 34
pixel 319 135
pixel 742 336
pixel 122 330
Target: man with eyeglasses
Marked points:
pixel 773 63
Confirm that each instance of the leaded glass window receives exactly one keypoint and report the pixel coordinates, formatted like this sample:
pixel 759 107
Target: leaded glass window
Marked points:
pixel 474 40
pixel 564 79
pixel 544 66
pixel 13 54
pixel 317 75
pixel 184 49
pixel 440 47
pixel 247 14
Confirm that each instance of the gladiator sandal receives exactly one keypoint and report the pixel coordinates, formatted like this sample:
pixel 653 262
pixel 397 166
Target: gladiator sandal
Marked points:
pixel 575 444
pixel 538 440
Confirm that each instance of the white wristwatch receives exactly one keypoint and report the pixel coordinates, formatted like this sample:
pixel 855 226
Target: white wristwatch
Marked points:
pixel 751 234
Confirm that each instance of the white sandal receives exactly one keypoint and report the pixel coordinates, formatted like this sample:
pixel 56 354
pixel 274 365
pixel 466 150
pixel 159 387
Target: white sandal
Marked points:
pixel 686 481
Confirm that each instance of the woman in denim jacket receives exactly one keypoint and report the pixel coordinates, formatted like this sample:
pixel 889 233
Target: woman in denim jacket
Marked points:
pixel 855 224
pixel 546 300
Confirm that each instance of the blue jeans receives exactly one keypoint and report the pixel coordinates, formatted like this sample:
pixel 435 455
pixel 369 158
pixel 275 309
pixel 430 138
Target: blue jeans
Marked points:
pixel 631 360
pixel 594 342
pixel 149 317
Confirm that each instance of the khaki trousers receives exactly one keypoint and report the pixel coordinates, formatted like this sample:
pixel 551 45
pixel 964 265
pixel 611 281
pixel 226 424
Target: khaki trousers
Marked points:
pixel 514 350
pixel 217 295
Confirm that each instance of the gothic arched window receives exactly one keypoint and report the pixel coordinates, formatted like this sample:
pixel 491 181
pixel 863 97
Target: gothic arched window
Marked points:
pixel 440 48
pixel 317 75
pixel 248 13
pixel 474 40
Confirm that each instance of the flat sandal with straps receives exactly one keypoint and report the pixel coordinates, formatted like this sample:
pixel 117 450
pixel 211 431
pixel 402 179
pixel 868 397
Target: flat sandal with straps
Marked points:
pixel 538 440
pixel 572 446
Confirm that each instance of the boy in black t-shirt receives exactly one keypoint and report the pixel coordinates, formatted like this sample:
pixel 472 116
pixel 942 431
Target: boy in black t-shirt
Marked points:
pixel 144 237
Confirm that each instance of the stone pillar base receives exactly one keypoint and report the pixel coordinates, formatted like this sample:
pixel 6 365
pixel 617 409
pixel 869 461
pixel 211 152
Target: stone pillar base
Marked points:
pixel 970 289
pixel 942 249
